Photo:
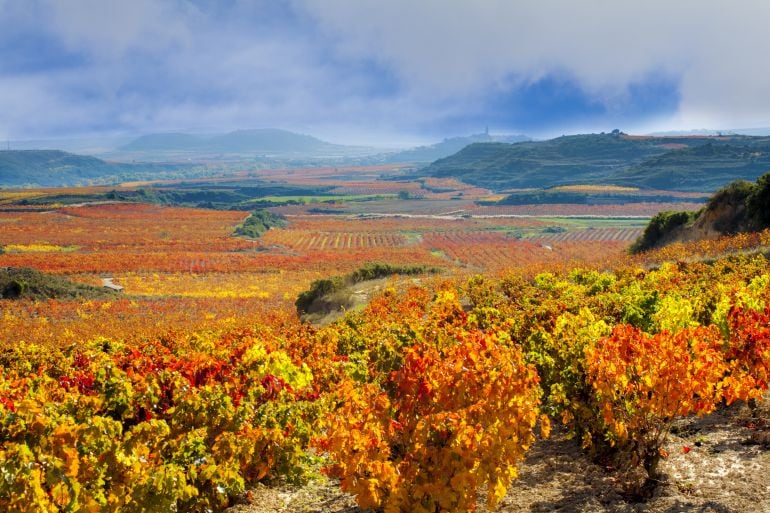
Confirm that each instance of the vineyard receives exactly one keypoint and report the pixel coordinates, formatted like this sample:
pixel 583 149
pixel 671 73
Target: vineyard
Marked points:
pixel 343 241
pixel 446 403
pixel 598 234
pixel 496 251
pixel 338 256
pixel 197 387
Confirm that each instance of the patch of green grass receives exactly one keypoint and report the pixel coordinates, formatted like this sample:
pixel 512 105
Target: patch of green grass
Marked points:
pixel 595 222
pixel 322 198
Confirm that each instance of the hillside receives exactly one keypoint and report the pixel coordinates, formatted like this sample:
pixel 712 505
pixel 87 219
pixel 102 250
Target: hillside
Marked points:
pixel 737 208
pixel 673 163
pixel 54 168
pixel 49 167
pixel 704 167
pixel 264 140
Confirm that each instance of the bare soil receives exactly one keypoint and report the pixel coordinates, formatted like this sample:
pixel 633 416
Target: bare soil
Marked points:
pixel 716 464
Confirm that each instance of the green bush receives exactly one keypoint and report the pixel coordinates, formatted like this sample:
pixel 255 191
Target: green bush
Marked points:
pixel 374 271
pixel 258 223
pixel 318 289
pixel 14 289
pixel 24 283
pixel 660 226
pixel 735 193
pixel 758 203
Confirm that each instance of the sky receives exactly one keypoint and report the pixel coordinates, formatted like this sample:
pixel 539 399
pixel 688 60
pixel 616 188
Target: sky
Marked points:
pixel 381 72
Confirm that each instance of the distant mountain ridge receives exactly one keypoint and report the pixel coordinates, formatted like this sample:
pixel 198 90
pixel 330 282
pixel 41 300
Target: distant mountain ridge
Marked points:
pixel 260 140
pixel 450 146
pixel 694 163
pixel 756 131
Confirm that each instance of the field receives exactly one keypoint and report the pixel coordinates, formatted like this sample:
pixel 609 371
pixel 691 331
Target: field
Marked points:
pixel 197 386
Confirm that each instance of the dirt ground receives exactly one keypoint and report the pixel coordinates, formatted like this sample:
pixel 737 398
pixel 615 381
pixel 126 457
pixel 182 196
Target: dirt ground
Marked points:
pixel 716 464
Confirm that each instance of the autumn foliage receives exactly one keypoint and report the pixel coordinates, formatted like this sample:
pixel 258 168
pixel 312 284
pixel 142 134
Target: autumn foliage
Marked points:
pixel 455 414
pixel 201 381
pixel 174 424
pixel 642 383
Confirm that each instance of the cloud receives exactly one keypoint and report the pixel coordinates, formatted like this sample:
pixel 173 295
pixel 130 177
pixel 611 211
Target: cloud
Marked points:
pixel 713 50
pixel 342 67
pixel 109 30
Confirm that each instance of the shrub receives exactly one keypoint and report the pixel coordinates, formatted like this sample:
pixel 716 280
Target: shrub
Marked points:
pixel 455 413
pixel 643 382
pixel 748 354
pixel 14 289
pixel 447 422
pixel 660 226
pixel 560 360
pixel 328 286
pixel 758 203
pixel 258 223
pixel 151 427
pixel 734 193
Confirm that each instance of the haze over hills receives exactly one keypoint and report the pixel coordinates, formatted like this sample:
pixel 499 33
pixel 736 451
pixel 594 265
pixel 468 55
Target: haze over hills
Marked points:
pixel 164 142
pixel 262 140
pixel 450 146
pixel 693 163
pixel 756 131
pixel 683 163
pixel 276 142
pixel 39 163
pixel 84 145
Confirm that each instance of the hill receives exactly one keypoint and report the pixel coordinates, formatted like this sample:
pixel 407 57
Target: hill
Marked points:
pixel 49 167
pixel 705 167
pixel 450 146
pixel 737 208
pixel 263 140
pixel 674 163
pixel 267 140
pixel 55 168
